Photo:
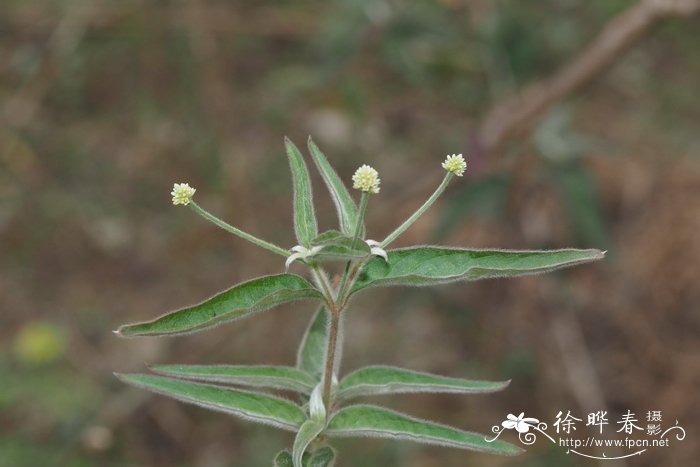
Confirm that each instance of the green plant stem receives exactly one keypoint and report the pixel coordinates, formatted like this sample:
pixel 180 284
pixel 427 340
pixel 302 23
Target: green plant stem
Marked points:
pixel 321 280
pixel 358 229
pixel 229 228
pixel 330 356
pixel 335 308
pixel 408 222
pixel 360 217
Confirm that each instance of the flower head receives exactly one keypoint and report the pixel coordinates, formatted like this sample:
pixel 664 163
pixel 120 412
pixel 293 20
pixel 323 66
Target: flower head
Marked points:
pixel 455 164
pixel 182 193
pixel 366 179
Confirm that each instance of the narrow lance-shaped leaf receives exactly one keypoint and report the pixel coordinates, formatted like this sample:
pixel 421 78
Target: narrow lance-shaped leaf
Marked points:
pixel 304 217
pixel 307 433
pixel 378 422
pixel 422 266
pixel 234 303
pixel 345 205
pixel 312 350
pixel 324 457
pixel 261 408
pixel 378 380
pixel 276 377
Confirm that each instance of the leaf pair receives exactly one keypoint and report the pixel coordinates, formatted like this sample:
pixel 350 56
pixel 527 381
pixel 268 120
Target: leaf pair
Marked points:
pixel 351 421
pixel 419 266
pixel 305 224
pixel 368 381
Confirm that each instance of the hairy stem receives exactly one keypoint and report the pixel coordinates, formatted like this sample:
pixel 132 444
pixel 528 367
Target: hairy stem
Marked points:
pixel 229 228
pixel 408 222
pixel 358 229
pixel 330 356
pixel 321 280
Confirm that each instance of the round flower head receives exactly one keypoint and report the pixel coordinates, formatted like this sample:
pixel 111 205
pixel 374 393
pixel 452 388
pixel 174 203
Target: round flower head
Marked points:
pixel 455 164
pixel 182 193
pixel 366 179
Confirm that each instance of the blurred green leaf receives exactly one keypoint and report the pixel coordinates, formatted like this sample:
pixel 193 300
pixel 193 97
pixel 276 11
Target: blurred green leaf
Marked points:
pixel 236 302
pixel 277 377
pixel 312 350
pixel 256 407
pixel 422 266
pixel 378 380
pixel 377 422
pixel 304 217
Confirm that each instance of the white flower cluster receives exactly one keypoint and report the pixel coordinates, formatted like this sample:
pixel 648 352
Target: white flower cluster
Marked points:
pixel 455 164
pixel 366 179
pixel 182 193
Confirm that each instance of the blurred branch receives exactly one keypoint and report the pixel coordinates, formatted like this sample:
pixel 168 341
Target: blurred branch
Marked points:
pixel 516 114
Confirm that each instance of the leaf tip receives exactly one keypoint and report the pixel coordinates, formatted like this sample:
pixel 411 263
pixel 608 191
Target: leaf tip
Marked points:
pixel 123 331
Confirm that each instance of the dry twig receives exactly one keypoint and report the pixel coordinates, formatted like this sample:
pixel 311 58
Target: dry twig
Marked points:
pixel 516 114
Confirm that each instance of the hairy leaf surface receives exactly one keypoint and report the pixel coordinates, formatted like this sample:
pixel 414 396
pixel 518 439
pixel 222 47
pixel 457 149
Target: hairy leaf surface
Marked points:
pixel 312 351
pixel 427 265
pixel 256 407
pixel 378 422
pixel 338 246
pixel 307 433
pixel 377 380
pixel 265 376
pixel 345 205
pixel 305 224
pixel 324 457
pixel 234 303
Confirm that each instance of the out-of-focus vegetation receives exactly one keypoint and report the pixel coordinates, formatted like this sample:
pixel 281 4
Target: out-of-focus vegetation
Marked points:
pixel 103 105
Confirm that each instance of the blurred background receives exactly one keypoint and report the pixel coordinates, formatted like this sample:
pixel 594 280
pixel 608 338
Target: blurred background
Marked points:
pixel 103 105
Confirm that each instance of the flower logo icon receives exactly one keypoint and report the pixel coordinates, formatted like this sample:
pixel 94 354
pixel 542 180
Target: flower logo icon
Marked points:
pixel 521 423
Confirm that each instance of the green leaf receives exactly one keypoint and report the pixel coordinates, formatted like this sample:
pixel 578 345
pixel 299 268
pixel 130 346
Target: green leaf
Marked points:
pixel 284 459
pixel 346 207
pixel 377 422
pixel 277 377
pixel 304 218
pixel 307 433
pixel 421 266
pixel 312 350
pixel 338 246
pixel 377 380
pixel 234 303
pixel 261 408
pixel 324 457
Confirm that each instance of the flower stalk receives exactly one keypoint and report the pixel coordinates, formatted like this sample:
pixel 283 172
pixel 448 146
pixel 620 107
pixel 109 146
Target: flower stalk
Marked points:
pixel 419 212
pixel 244 235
